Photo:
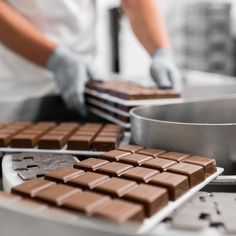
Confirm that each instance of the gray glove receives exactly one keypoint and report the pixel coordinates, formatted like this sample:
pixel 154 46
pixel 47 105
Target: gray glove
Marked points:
pixel 71 74
pixel 164 71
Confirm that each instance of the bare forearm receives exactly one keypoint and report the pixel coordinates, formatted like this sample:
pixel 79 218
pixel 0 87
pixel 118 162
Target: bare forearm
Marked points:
pixel 147 23
pixel 21 37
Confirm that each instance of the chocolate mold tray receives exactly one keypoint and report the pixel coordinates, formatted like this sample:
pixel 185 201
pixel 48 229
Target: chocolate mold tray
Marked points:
pixel 106 227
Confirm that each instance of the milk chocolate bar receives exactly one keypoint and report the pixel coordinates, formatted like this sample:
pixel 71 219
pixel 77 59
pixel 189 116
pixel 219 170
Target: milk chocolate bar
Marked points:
pixel 159 164
pixel 107 187
pixel 174 156
pixel 116 187
pixel 135 159
pixel 88 180
pixel 121 211
pixel 63 174
pixel 90 164
pixel 87 203
pixel 176 184
pixel 49 135
pixel 130 91
pixel 106 143
pixel 195 173
pixel 114 155
pixel 53 141
pixel 209 164
pixel 140 174
pixel 152 198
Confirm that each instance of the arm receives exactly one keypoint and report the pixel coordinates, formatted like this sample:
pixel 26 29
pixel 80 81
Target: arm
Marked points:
pixel 147 23
pixel 70 71
pixel 149 27
pixel 20 36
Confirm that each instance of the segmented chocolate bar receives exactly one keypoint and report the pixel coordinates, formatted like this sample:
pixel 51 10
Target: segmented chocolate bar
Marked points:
pixel 125 185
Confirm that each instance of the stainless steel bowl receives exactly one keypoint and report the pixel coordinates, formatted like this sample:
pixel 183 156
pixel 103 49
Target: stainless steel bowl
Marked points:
pixel 197 127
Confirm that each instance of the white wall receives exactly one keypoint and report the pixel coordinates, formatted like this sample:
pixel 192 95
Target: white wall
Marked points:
pixel 103 60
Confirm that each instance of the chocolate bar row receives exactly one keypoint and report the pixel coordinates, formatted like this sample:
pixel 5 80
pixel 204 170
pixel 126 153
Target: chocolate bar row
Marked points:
pixel 32 165
pixel 48 135
pixel 123 185
pixel 130 90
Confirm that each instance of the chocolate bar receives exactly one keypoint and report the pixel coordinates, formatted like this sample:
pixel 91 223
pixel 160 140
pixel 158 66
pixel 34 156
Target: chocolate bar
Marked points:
pixel 114 155
pixel 108 188
pixel 135 159
pixel 72 136
pixel 130 91
pixel 56 194
pixel 151 152
pixel 63 174
pixel 80 142
pixel 32 187
pixel 176 185
pixel 209 164
pixel 195 173
pixel 174 156
pixel 88 180
pixel 8 131
pixel 121 211
pixel 152 198
pixel 87 203
pixel 90 164
pixel 113 168
pixel 131 148
pixel 54 141
pixel 140 174
pixel 106 143
pixel 159 164
pixel 116 187
pixel 113 100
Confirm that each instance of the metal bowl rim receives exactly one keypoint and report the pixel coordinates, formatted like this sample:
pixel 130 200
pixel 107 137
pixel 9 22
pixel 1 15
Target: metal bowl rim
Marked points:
pixel 134 110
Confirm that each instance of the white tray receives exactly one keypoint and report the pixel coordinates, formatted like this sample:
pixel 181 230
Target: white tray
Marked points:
pixel 11 179
pixel 124 141
pixel 107 107
pixel 133 102
pixel 109 117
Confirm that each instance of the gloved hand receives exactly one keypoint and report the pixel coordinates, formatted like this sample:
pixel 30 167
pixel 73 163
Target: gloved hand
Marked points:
pixel 164 71
pixel 71 74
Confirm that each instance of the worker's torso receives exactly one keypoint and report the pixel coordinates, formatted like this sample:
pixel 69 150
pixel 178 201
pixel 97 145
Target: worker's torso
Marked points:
pixel 67 22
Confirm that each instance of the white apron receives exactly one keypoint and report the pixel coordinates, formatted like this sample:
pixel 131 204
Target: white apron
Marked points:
pixel 67 22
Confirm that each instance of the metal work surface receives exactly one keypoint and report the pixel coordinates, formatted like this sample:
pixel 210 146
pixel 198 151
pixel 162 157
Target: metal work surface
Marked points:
pixel 199 127
pixel 205 214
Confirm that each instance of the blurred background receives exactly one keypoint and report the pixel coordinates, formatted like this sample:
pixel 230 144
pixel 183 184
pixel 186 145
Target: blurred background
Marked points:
pixel 203 35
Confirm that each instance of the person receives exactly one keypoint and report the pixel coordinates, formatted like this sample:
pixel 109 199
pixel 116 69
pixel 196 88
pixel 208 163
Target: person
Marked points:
pixel 49 44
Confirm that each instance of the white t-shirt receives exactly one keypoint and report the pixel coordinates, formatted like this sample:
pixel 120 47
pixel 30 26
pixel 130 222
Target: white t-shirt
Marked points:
pixel 67 22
